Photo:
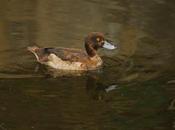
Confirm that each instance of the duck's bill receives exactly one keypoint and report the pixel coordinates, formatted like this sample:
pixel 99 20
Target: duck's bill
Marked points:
pixel 108 45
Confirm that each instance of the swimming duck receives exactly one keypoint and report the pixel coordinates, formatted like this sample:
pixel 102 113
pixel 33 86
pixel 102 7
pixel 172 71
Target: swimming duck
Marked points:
pixel 74 59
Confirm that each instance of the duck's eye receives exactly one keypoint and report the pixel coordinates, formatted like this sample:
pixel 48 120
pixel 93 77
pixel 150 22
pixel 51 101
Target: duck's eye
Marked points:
pixel 98 39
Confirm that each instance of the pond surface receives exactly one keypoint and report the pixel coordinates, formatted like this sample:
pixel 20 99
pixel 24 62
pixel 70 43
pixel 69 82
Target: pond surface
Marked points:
pixel 135 90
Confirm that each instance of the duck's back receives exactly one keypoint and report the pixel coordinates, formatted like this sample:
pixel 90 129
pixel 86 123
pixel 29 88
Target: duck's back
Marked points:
pixel 67 54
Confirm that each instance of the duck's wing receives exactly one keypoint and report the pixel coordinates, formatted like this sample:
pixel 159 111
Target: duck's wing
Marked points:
pixel 66 54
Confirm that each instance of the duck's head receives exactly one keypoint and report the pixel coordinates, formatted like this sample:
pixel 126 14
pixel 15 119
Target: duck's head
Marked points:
pixel 96 40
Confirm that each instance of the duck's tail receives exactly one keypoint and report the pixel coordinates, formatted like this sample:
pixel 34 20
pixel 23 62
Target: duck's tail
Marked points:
pixel 34 50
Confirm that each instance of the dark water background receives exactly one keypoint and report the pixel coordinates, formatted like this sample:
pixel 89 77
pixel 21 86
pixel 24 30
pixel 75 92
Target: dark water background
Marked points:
pixel 142 68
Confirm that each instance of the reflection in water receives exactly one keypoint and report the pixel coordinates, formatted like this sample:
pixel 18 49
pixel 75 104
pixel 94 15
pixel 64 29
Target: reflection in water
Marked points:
pixel 142 67
pixel 97 90
pixel 62 104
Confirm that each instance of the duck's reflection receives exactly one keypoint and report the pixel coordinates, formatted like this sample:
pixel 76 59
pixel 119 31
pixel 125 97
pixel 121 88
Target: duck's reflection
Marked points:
pixel 98 90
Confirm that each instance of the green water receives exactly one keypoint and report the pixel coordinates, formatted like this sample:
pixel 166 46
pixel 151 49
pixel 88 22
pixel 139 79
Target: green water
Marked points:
pixel 141 69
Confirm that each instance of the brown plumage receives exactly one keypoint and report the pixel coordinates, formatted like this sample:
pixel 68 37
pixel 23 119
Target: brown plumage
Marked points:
pixel 70 58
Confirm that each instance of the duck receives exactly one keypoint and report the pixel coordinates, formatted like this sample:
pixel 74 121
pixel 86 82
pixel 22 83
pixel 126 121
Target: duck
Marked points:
pixel 61 58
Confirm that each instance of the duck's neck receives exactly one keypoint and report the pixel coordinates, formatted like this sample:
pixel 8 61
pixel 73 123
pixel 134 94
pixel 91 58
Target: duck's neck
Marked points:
pixel 90 50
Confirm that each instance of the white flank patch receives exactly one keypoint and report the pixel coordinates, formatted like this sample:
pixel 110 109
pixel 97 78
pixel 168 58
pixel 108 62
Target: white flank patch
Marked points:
pixel 57 63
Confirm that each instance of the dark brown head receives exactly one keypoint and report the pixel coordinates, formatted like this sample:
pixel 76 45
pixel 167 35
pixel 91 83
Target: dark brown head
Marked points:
pixel 94 41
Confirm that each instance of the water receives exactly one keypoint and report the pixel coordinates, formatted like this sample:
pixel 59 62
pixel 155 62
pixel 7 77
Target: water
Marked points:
pixel 133 91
